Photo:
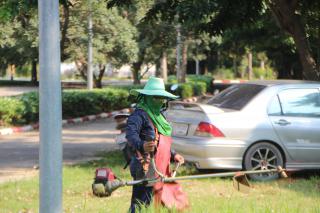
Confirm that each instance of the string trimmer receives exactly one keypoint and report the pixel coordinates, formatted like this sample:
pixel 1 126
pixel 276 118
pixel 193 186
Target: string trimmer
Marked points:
pixel 106 182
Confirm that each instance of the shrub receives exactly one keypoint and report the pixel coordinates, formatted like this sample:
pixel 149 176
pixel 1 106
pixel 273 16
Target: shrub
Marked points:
pixel 185 90
pixel 207 79
pixel 266 73
pixel 31 102
pixel 172 79
pixel 77 103
pixel 12 111
pixel 128 87
pixel 199 88
pixel 224 73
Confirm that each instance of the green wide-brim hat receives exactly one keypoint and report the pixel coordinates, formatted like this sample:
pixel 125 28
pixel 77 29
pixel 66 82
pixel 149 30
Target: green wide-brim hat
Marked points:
pixel 154 87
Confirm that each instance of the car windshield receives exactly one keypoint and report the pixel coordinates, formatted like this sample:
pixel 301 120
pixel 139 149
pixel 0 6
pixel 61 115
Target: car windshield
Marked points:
pixel 235 97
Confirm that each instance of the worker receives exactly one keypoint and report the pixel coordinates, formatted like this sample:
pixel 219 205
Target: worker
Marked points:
pixel 148 132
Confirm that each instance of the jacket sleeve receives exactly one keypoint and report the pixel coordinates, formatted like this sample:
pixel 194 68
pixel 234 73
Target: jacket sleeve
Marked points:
pixel 134 125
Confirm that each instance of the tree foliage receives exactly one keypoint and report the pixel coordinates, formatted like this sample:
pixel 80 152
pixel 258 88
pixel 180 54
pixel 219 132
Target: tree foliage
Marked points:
pixel 113 38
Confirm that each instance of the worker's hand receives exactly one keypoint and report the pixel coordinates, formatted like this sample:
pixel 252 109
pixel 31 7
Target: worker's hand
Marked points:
pixel 178 158
pixel 149 146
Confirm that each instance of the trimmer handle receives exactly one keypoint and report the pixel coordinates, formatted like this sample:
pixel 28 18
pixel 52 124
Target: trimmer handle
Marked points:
pixel 174 172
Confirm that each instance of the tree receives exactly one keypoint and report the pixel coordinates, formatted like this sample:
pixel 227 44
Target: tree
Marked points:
pixel 203 16
pixel 289 15
pixel 19 36
pixel 300 19
pixel 113 39
pixel 156 38
pixel 262 36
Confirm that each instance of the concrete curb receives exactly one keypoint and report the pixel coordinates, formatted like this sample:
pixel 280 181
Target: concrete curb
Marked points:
pixel 12 130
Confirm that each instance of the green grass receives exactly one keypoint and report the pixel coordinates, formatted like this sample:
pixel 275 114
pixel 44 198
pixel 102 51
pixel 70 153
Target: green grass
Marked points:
pixel 210 195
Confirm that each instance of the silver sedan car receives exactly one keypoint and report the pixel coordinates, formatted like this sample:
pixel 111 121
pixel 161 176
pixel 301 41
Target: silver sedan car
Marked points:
pixel 252 126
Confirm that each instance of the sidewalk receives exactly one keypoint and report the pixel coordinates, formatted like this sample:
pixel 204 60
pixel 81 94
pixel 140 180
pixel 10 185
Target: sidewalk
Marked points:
pixel 12 91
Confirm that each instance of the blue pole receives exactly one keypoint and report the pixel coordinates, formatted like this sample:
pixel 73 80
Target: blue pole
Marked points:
pixel 50 153
pixel 90 54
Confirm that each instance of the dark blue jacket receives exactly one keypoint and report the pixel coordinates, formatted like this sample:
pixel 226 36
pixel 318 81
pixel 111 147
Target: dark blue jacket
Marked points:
pixel 138 128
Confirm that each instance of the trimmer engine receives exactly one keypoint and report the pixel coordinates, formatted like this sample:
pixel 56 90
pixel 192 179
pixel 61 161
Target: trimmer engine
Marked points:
pixel 104 178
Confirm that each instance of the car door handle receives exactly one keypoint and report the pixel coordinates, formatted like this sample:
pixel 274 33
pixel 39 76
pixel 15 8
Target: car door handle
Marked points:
pixel 282 122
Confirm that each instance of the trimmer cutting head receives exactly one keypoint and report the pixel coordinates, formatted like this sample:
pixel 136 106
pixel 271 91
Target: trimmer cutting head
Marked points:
pixel 241 183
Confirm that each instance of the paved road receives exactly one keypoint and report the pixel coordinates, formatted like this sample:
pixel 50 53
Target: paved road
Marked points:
pixel 19 152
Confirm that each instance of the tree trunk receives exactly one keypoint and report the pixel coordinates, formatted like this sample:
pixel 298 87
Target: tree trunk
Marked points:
pixel 136 67
pixel 197 67
pixel 262 65
pixel 164 67
pixel 65 26
pixel 235 66
pixel 219 59
pixel 289 20
pixel 136 72
pixel 34 78
pixel 182 77
pixel 82 68
pixel 158 69
pixel 12 71
pixel 98 79
pixel 205 67
pixel 249 65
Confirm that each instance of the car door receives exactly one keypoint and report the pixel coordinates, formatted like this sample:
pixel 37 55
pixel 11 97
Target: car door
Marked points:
pixel 295 116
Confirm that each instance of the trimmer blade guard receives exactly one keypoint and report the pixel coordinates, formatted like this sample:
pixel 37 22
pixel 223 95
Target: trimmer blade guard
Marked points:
pixel 241 183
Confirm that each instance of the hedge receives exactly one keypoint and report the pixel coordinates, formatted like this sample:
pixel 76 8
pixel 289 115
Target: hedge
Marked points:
pixel 78 103
pixel 12 111
pixel 24 109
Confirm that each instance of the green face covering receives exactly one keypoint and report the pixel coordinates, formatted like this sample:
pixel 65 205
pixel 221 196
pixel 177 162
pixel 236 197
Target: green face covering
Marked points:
pixel 152 105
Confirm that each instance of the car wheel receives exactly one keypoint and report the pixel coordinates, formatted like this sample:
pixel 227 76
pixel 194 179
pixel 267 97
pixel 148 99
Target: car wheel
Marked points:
pixel 262 156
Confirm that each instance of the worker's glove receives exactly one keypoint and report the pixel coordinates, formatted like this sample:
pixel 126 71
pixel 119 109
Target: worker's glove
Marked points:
pixel 179 159
pixel 149 146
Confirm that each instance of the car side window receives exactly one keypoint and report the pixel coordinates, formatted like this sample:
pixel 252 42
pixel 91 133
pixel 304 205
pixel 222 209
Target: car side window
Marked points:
pixel 274 107
pixel 300 102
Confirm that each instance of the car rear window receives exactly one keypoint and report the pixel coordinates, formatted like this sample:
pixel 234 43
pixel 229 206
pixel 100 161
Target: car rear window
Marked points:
pixel 236 96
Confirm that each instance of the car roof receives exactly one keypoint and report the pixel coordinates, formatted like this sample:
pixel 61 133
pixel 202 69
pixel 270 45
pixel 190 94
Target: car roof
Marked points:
pixel 280 82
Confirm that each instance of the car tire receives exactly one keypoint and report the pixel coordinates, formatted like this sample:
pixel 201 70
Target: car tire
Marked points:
pixel 262 156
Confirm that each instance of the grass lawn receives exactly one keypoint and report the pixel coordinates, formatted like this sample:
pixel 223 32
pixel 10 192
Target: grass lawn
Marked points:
pixel 209 195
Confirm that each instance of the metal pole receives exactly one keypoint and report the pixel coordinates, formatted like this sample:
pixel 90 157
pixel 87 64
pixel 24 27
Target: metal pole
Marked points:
pixel 179 73
pixel 50 154
pixel 197 67
pixel 90 35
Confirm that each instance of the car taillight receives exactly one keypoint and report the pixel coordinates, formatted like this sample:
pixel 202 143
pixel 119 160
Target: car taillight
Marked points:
pixel 208 130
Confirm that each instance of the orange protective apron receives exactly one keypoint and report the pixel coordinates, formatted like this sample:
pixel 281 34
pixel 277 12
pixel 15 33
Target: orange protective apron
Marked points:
pixel 169 195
